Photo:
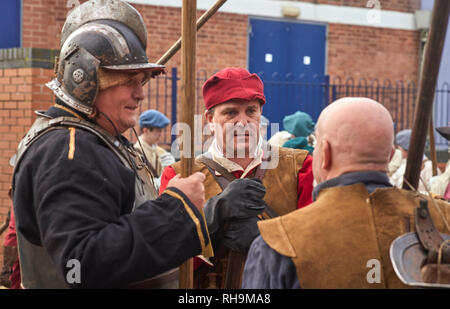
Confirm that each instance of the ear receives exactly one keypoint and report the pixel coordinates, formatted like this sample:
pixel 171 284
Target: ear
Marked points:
pixel 209 119
pixel 326 155
pixel 208 116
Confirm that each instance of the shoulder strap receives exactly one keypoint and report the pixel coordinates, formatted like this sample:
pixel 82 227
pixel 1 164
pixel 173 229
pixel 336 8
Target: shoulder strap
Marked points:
pixel 149 165
pixel 107 138
pixel 429 236
pixel 213 166
pixel 44 124
pixel 216 167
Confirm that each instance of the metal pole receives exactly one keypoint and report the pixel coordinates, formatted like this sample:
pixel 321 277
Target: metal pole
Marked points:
pixel 427 86
pixel 188 44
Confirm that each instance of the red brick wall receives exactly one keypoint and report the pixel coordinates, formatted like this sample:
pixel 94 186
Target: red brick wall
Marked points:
pixel 221 42
pixel 368 52
pixel 21 92
pixel 42 22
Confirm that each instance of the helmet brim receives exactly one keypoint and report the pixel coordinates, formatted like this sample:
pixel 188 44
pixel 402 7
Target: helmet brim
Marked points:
pixel 137 67
pixel 407 257
pixel 445 132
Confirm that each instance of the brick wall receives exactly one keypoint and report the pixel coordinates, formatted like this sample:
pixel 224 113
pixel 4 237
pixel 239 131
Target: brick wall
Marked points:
pixel 221 42
pixel 367 52
pixel 21 91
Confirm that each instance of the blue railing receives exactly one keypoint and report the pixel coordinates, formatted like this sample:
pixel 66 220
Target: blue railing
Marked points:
pixel 311 96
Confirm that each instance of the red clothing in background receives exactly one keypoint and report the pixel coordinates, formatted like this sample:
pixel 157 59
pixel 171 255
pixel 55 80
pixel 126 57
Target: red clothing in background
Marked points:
pixel 304 187
pixel 11 241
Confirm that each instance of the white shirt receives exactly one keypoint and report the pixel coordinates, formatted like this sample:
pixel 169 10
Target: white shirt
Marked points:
pixel 216 154
pixel 425 175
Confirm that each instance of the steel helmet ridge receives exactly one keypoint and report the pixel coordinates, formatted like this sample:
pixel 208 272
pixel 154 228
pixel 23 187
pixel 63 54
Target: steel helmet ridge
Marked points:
pixel 101 42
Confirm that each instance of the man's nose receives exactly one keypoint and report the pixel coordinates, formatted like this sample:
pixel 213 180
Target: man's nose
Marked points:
pixel 242 119
pixel 138 92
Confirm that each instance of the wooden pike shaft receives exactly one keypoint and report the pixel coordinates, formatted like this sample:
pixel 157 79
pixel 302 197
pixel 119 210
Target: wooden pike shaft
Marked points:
pixel 200 22
pixel 432 146
pixel 188 74
pixel 427 86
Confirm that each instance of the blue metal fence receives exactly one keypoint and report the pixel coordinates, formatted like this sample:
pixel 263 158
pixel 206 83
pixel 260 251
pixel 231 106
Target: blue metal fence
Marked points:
pixel 307 94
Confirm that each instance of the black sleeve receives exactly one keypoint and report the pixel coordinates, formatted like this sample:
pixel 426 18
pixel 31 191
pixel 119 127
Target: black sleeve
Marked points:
pixel 79 214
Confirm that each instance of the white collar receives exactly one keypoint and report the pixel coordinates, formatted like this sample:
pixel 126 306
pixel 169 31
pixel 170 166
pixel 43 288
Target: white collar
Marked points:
pixel 216 154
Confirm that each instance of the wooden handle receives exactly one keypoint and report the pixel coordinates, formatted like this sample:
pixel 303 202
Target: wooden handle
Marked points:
pixel 427 86
pixel 188 43
pixel 200 22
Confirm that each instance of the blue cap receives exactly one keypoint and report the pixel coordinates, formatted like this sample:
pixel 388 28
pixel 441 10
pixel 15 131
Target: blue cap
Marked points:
pixel 299 124
pixel 402 138
pixel 153 118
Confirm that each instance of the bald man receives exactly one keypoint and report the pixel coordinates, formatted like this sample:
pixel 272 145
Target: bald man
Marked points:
pixel 355 216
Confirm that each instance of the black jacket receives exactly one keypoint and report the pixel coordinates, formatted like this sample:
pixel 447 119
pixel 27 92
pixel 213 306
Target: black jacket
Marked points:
pixel 80 208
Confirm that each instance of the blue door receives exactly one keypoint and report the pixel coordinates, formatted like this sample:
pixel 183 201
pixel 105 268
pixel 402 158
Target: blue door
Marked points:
pixel 290 59
pixel 10 23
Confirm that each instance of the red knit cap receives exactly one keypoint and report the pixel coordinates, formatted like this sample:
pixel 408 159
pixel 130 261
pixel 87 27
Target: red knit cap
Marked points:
pixel 232 83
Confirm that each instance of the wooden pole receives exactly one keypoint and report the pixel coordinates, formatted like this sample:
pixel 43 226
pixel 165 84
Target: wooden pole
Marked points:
pixel 200 22
pixel 188 78
pixel 432 146
pixel 427 86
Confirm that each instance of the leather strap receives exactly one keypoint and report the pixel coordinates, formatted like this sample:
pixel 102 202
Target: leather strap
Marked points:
pixel 260 172
pixel 217 167
pixel 428 235
pixel 222 181
pixel 149 165
pixel 163 281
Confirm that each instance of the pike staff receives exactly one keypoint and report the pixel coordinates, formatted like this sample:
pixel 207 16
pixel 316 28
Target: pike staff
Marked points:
pixel 427 86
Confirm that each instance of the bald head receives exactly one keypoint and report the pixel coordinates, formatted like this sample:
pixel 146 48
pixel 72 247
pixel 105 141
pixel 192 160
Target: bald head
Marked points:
pixel 353 134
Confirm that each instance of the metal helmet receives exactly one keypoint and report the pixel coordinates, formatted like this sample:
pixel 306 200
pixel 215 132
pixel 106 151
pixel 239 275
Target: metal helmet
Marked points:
pixel 99 36
pixel 444 132
pixel 422 258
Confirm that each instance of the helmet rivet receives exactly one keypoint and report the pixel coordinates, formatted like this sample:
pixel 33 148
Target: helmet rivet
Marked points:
pixel 78 75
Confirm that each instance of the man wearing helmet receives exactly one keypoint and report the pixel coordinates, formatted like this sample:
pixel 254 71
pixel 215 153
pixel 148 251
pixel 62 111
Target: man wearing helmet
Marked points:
pixel 87 214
